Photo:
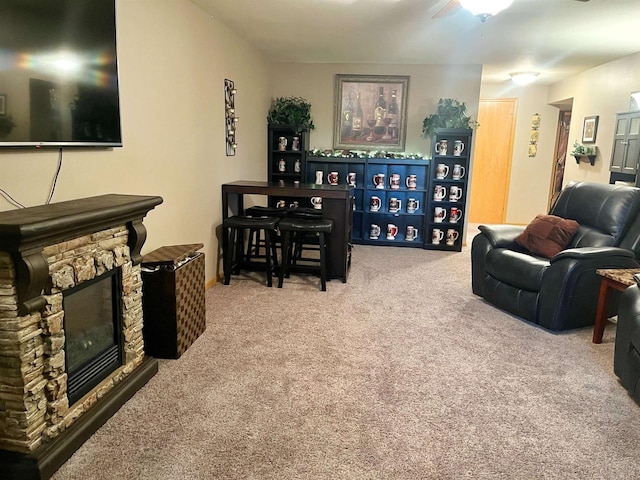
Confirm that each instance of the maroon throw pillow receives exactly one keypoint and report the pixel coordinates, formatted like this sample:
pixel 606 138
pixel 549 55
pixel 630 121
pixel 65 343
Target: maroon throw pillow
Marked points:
pixel 547 235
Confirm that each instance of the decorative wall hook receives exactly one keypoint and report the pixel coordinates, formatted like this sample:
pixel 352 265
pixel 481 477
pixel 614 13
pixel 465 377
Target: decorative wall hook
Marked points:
pixel 230 116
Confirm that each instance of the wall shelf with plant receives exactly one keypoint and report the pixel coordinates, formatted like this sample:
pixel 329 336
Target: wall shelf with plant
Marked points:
pixel 581 152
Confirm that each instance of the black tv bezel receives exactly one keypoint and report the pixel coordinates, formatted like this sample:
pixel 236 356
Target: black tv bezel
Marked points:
pixel 23 145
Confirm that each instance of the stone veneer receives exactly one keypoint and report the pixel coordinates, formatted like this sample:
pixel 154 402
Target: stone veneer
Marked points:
pixel 34 407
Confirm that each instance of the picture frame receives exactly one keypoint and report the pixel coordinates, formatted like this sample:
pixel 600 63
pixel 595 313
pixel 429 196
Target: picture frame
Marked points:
pixel 3 104
pixel 590 129
pixel 377 128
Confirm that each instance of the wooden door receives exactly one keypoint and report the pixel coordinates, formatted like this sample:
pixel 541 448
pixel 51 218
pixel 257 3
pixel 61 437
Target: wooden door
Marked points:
pixel 562 142
pixel 492 160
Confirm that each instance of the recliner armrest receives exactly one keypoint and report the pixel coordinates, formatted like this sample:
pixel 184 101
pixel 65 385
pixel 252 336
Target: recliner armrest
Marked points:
pixel 591 253
pixel 502 236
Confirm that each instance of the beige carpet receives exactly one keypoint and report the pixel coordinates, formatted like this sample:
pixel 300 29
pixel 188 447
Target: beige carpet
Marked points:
pixel 401 373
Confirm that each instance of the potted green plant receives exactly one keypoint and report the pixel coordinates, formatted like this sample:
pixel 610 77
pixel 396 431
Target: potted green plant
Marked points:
pixel 293 111
pixel 451 113
pixel 6 125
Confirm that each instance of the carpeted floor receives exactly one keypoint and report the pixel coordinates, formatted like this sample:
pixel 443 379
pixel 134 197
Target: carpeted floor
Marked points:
pixel 402 373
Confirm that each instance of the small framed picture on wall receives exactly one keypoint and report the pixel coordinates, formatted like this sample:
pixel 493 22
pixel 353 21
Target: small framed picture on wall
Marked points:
pixel 590 129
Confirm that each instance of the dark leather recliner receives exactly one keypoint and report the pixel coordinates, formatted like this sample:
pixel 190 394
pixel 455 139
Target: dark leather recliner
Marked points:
pixel 626 359
pixel 560 293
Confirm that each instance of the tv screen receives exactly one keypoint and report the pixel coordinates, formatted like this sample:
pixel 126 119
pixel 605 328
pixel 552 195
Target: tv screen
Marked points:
pixel 58 74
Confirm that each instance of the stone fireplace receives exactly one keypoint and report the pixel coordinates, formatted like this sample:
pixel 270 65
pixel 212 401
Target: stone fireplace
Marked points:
pixel 71 347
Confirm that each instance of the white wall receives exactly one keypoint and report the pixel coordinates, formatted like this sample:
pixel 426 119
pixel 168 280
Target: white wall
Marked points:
pixel 602 91
pixel 173 59
pixel 427 84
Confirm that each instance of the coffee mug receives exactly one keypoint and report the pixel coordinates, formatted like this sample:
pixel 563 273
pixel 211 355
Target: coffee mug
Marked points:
pixel 455 214
pixel 411 234
pixel 332 178
pixel 436 236
pixel 351 179
pixel 378 180
pixel 374 231
pixel 295 145
pixel 281 204
pixel 452 236
pixel 441 147
pixel 282 165
pixel 455 193
pixel 413 204
pixel 392 231
pixel 394 181
pixel 439 214
pixel 442 171
pixel 375 203
pixel 282 143
pixel 458 172
pixel 395 205
pixel 319 177
pixel 316 202
pixel 294 204
pixel 458 148
pixel 439 192
pixel 411 182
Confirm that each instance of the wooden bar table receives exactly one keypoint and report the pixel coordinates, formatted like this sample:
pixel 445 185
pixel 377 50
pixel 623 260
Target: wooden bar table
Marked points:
pixel 337 205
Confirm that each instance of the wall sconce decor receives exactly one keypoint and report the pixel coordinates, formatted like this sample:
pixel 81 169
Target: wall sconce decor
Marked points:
pixel 230 116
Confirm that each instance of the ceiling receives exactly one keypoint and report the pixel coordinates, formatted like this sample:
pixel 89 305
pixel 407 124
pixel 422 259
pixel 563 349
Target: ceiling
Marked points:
pixel 558 38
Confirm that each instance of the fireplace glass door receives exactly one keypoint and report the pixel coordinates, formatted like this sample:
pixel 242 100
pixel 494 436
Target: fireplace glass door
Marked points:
pixel 93 332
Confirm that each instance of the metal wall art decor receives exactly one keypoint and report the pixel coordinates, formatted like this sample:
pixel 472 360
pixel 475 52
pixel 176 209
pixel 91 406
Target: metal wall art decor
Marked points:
pixel 590 129
pixel 370 112
pixel 230 116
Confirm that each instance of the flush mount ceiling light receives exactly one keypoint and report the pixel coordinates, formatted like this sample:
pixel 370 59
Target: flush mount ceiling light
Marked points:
pixel 524 78
pixel 485 8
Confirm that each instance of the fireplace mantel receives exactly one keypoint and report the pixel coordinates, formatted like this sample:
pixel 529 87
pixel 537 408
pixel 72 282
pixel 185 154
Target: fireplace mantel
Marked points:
pixel 25 232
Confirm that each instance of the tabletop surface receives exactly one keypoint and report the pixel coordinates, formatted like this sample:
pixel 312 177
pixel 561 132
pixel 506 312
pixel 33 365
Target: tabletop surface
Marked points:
pixel 620 275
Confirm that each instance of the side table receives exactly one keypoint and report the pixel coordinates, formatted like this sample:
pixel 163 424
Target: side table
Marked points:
pixel 173 299
pixel 612 279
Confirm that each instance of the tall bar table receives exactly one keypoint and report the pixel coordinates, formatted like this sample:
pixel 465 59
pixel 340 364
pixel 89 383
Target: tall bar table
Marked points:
pixel 337 205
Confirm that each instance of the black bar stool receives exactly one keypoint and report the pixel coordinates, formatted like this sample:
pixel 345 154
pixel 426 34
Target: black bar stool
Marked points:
pixel 234 258
pixel 302 241
pixel 255 239
pixel 301 228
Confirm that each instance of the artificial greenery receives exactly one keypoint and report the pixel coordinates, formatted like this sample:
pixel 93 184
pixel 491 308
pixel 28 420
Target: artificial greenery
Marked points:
pixel 293 111
pixel 6 125
pixel 580 149
pixel 451 113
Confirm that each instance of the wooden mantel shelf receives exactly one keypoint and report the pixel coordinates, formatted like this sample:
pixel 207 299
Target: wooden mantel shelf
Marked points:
pixel 25 232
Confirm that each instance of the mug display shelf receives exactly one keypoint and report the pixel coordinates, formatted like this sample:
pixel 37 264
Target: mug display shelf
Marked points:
pixel 448 162
pixel 365 170
pixel 289 156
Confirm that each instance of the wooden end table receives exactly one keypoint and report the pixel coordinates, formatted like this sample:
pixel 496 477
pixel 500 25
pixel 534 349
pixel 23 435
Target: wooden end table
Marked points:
pixel 612 279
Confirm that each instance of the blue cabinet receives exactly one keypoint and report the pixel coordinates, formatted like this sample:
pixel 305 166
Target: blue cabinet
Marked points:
pixel 390 196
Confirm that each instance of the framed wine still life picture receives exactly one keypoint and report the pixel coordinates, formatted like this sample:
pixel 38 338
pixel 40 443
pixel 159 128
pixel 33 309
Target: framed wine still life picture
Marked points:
pixel 370 112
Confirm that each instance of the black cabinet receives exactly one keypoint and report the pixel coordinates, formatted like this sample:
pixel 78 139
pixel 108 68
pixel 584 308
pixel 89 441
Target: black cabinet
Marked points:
pixel 448 189
pixel 626 145
pixel 287 153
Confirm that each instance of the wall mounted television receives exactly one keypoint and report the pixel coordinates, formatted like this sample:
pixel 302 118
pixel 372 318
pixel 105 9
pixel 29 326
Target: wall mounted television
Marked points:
pixel 58 74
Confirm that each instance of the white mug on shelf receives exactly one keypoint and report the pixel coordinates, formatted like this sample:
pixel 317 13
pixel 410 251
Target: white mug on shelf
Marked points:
pixel 458 172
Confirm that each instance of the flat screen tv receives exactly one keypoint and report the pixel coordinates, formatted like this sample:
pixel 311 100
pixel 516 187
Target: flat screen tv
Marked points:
pixel 58 74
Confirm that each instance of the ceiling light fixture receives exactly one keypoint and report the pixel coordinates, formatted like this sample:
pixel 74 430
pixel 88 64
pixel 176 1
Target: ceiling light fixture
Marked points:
pixel 485 8
pixel 524 78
